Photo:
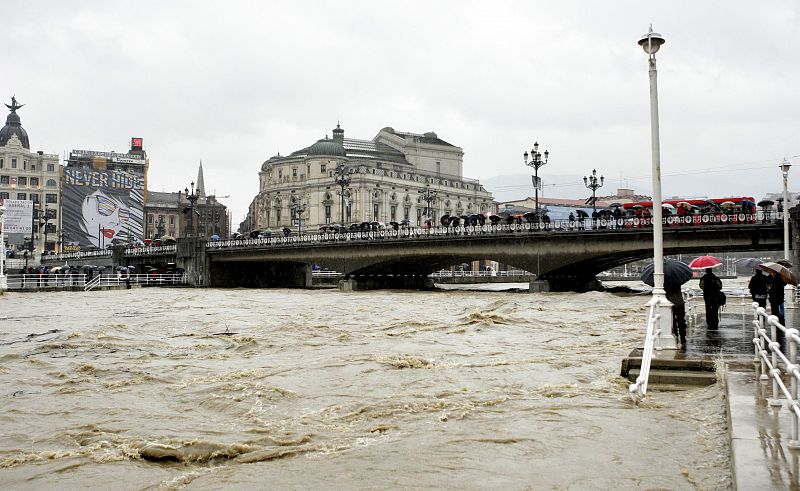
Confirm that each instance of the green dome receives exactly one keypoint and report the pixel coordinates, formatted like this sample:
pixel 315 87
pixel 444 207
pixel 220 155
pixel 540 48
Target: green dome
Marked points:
pixel 327 147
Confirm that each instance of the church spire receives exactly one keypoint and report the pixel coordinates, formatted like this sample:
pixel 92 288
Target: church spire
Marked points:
pixel 201 185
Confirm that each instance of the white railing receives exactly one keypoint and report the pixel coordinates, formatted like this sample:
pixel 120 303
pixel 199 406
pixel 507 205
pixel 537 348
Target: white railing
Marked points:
pixel 41 281
pixel 92 283
pixel 326 274
pixel 775 364
pixel 638 389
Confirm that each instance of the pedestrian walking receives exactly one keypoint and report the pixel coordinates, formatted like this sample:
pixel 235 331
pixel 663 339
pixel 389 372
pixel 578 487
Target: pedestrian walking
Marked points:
pixel 759 288
pixel 712 290
pixel 675 296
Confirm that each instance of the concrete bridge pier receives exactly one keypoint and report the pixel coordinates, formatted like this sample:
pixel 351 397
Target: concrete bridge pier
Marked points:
pixel 190 254
pixel 385 282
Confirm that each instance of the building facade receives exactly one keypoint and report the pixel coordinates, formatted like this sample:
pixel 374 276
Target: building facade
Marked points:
pixel 103 196
pixel 396 176
pixel 31 176
pixel 167 213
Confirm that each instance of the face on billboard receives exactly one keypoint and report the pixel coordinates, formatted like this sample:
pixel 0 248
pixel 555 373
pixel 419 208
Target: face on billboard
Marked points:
pixel 104 219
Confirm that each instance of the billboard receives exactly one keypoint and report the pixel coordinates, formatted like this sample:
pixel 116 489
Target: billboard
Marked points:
pixel 102 207
pixel 19 216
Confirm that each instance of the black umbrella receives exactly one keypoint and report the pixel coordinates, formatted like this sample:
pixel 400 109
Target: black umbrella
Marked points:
pixel 766 202
pixel 676 274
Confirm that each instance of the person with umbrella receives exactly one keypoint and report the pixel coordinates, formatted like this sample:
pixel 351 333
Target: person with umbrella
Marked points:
pixel 676 273
pixel 759 288
pixel 712 287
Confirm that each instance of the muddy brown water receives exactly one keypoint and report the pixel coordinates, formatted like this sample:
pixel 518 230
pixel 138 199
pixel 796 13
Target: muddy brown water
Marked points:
pixel 207 389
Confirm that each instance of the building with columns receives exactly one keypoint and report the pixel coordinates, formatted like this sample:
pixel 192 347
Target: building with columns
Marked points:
pixel 30 176
pixel 395 176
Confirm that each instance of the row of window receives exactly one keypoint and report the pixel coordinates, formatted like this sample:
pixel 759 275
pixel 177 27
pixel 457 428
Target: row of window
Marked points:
pixel 25 181
pixel 13 165
pixel 35 197
pixel 398 175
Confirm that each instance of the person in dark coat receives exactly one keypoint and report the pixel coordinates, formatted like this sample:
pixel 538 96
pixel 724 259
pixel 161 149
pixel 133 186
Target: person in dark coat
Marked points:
pixel 711 286
pixel 759 287
pixel 776 285
pixel 675 296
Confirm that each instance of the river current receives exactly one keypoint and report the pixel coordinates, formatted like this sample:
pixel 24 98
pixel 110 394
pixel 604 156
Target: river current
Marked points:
pixel 162 388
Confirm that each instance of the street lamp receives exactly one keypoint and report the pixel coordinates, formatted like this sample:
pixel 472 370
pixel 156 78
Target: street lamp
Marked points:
pixel 3 282
pixel 788 290
pixel 429 196
pixel 536 162
pixel 342 176
pixel 192 200
pixel 592 183
pixel 651 42
pixel 299 209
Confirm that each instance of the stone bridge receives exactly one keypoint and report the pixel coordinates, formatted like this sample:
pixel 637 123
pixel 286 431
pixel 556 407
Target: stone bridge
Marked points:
pixel 560 258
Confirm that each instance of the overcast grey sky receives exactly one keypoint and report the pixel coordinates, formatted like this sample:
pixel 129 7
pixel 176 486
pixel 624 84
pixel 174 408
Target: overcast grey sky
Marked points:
pixel 232 83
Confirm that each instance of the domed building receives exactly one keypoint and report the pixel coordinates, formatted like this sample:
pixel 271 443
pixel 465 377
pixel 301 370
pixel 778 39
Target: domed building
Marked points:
pixel 395 176
pixel 34 177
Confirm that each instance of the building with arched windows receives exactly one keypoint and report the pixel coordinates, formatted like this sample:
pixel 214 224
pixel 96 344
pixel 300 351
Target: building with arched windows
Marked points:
pixel 395 176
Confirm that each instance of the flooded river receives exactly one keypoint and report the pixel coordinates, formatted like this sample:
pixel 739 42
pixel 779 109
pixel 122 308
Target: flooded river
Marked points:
pixel 275 389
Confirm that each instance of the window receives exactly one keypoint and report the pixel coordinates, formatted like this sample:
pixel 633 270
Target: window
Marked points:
pixel 51 183
pixel 22 196
pixel 294 172
pixel 24 165
pixel 2 164
pixel 51 168
pixel 375 209
pixel 50 198
pixel 22 181
pixel 171 220
pixel 13 163
pixel 280 173
pixel 419 216
pixel 149 218
pixel 393 213
pixel 406 213
pixel 321 166
pixel 33 166
pixel 327 212
pixel 277 216
pixel 4 180
pixel 35 182
pixel 3 195
pixel 34 197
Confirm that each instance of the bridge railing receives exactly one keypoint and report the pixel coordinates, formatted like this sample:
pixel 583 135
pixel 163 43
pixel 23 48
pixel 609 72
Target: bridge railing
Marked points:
pixel 478 274
pixel 639 388
pixel 776 364
pixel 45 281
pixel 587 226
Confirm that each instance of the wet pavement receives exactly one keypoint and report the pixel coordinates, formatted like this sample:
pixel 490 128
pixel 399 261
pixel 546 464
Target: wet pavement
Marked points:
pixel 760 427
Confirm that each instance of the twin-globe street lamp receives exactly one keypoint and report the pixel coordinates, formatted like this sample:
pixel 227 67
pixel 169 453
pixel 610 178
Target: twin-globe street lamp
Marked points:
pixel 429 196
pixel 299 209
pixel 536 162
pixel 651 42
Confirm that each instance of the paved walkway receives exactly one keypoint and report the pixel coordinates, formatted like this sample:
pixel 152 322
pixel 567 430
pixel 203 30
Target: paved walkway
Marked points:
pixel 760 432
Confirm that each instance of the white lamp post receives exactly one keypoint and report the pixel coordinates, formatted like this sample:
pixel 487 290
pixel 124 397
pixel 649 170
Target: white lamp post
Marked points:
pixel 788 289
pixel 651 42
pixel 3 282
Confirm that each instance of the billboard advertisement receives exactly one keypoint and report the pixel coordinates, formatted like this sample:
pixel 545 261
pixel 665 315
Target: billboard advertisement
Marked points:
pixel 19 216
pixel 102 207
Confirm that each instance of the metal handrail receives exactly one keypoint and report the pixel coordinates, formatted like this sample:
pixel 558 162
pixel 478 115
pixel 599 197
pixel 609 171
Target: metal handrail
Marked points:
pixel 776 364
pixel 638 389
pixel 92 283
pixel 477 274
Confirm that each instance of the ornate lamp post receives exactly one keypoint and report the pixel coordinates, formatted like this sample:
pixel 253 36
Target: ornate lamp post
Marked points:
pixel 536 162
pixel 592 183
pixel 192 200
pixel 299 209
pixel 788 289
pixel 429 196
pixel 160 227
pixel 342 176
pixel 3 282
pixel 651 42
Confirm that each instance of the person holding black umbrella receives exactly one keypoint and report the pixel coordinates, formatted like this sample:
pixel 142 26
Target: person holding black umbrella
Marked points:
pixel 676 273
pixel 711 286
pixel 759 287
